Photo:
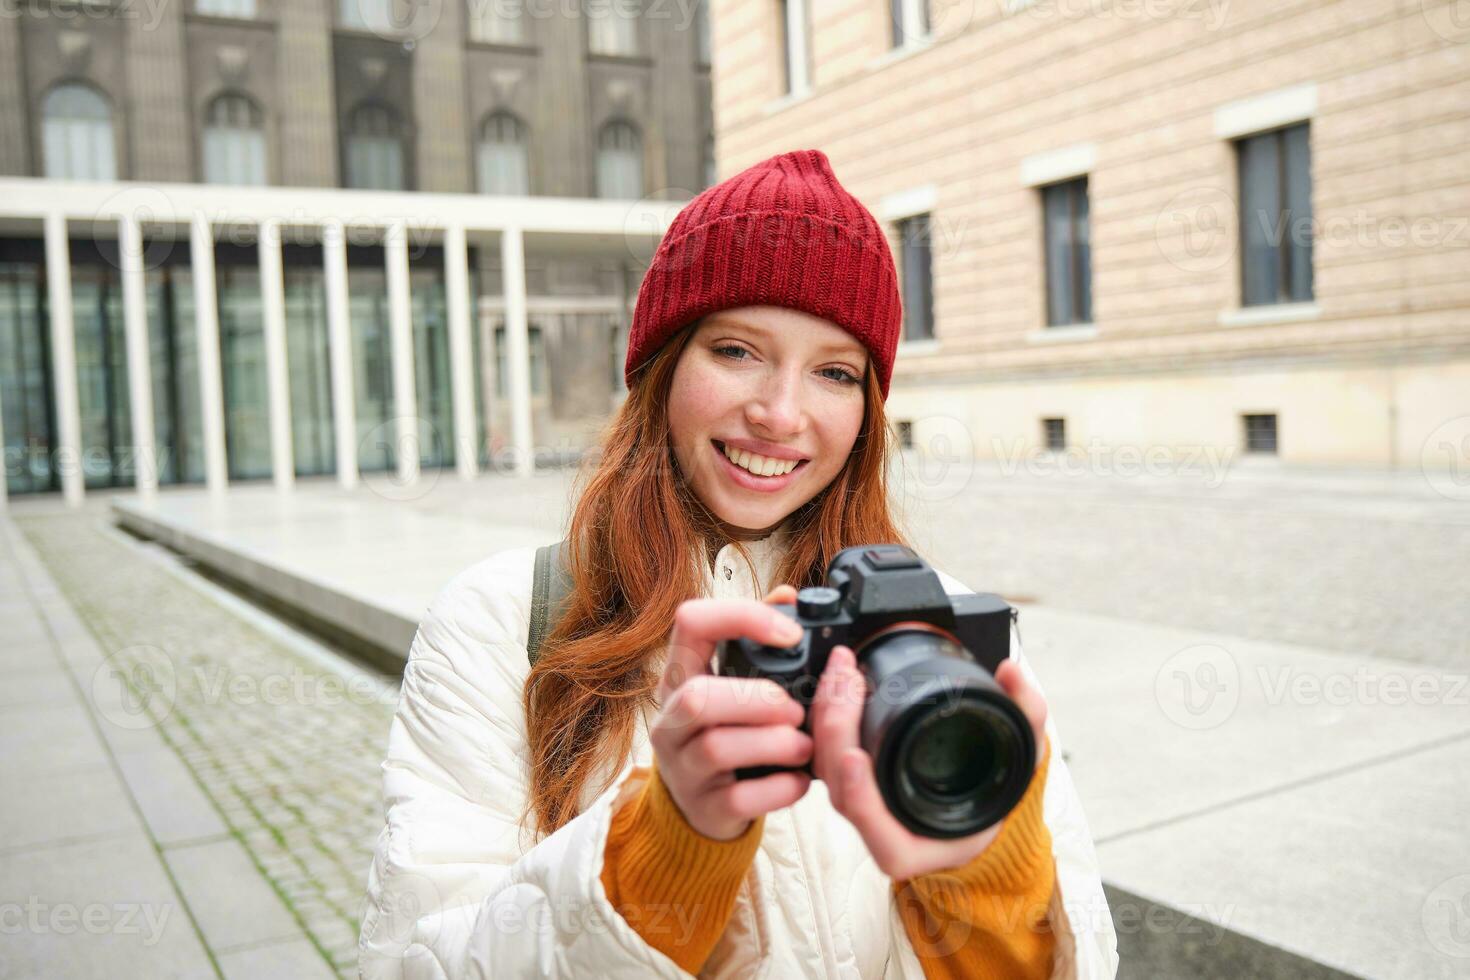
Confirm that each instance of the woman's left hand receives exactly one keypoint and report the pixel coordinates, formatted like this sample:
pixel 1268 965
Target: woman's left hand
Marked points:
pixel 840 762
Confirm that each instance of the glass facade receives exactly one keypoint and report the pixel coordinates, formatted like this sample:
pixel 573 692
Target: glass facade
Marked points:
pixel 308 362
pixel 173 349
pixel 25 377
pixel 108 456
pixel 242 364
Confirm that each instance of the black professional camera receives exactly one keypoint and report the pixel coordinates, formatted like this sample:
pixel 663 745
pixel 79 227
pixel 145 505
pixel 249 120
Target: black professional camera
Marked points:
pixel 953 753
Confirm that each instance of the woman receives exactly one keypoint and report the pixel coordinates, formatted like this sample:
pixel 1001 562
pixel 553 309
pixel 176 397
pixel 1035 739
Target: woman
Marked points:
pixel 580 817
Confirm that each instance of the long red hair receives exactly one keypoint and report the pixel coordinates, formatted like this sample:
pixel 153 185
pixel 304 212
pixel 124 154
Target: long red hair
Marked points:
pixel 639 544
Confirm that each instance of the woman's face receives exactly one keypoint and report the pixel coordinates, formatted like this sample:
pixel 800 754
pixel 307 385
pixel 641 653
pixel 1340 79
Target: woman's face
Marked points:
pixel 771 387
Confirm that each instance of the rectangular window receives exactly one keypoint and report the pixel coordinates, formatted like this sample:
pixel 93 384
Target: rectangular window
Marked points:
pixel 905 434
pixel 909 19
pixel 243 9
pixel 367 15
pixel 1054 434
pixel 793 44
pixel 1275 217
pixel 497 21
pixel 1068 253
pixel 612 27
pixel 1260 433
pixel 918 277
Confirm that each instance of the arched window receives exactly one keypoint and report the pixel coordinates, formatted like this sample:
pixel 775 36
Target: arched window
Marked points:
pixel 612 27
pixel 502 156
pixel 234 141
pixel 619 160
pixel 76 134
pixel 374 148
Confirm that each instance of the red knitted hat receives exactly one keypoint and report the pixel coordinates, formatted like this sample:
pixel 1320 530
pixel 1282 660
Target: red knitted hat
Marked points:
pixel 782 233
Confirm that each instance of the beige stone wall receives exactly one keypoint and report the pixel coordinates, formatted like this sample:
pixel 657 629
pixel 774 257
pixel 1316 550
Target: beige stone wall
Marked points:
pixel 1138 86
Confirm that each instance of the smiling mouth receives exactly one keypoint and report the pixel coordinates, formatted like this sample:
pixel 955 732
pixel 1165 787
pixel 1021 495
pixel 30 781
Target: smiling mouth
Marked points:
pixel 760 467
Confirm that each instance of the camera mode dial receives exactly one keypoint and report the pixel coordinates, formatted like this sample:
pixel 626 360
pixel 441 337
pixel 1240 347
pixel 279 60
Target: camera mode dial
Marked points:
pixel 818 602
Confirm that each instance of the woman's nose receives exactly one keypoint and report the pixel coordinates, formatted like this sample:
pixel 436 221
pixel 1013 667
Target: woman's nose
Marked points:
pixel 778 407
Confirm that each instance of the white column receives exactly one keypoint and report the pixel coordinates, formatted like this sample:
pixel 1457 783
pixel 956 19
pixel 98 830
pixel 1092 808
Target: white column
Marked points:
pixel 140 375
pixel 400 333
pixel 339 335
pixel 797 46
pixel 461 351
pixel 277 377
pixel 206 328
pixel 64 360
pixel 517 348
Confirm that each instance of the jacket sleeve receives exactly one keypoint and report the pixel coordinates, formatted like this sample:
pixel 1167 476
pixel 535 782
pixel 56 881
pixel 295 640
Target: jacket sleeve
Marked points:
pixel 455 889
pixel 1086 942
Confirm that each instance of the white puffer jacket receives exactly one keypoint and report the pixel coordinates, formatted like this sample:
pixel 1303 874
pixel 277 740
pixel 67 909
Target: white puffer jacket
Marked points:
pixel 454 890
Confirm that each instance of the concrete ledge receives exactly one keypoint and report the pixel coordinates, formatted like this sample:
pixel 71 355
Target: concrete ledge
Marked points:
pixel 360 623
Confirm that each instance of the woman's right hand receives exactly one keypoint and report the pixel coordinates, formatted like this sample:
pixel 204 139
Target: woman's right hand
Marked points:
pixel 709 726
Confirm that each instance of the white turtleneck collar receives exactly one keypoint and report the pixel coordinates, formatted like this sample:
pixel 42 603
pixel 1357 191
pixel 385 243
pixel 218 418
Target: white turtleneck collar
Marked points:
pixel 731 578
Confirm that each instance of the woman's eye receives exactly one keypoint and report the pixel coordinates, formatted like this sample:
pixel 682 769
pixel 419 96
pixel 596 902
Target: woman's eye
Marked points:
pixel 722 351
pixel 842 374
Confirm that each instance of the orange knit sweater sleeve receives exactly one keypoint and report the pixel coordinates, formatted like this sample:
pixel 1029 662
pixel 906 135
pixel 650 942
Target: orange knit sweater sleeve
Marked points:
pixel 988 918
pixel 673 885
pixel 677 888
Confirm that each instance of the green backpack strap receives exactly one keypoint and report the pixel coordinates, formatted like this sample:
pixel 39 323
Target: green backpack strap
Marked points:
pixel 550 584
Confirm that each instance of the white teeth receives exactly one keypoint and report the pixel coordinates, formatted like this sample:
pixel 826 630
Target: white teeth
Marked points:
pixel 760 465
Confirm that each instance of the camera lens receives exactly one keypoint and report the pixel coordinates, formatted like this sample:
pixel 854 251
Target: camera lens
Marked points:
pixel 953 752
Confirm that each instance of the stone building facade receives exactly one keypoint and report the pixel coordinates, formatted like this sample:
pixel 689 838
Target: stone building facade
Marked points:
pixel 1262 213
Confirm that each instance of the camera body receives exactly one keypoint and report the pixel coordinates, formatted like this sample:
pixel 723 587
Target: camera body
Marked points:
pixel 952 752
